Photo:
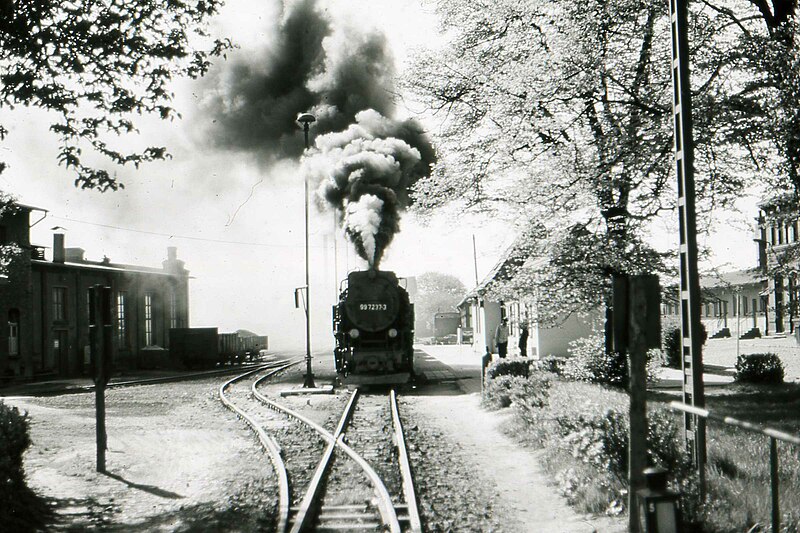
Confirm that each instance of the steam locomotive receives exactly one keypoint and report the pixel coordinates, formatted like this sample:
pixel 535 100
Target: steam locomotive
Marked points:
pixel 373 325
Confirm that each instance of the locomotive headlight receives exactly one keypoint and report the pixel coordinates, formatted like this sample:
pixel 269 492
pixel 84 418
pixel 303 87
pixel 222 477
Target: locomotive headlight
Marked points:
pixel 354 333
pixel 392 333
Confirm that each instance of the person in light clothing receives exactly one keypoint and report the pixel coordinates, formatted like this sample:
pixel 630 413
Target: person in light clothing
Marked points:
pixel 501 338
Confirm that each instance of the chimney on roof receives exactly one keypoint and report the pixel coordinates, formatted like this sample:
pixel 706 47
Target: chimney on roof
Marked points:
pixel 173 265
pixel 58 248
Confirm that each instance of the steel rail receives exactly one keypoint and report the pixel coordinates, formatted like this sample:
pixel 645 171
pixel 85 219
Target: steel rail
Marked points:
pixel 303 514
pixel 750 426
pixel 385 505
pixel 272 447
pixel 405 466
pixel 83 389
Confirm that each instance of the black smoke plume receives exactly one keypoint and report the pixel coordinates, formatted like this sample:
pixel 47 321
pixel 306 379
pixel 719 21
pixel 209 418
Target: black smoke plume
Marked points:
pixel 310 66
pixel 364 162
pixel 366 172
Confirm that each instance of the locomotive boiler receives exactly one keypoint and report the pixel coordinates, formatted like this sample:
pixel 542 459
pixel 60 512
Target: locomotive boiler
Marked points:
pixel 373 325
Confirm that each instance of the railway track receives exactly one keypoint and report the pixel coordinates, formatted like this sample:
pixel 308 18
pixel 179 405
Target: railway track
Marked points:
pixel 356 477
pixel 363 480
pixel 267 442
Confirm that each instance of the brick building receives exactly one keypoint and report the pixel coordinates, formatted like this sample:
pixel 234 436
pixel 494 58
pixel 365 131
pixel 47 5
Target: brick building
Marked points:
pixel 46 305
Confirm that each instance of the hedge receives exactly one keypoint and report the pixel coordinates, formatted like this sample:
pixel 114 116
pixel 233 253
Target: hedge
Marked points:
pixel 759 368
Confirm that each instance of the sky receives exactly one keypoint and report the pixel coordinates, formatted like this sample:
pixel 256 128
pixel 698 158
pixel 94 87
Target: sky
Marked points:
pixel 237 221
pixel 235 210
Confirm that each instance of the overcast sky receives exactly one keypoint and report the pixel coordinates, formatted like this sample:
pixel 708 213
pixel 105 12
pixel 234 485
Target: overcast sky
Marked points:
pixel 238 222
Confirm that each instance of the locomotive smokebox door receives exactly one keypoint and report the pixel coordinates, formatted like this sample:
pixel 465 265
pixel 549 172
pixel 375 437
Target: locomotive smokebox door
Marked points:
pixel 372 301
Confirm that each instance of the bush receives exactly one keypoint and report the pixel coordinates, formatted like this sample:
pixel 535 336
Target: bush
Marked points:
pixel 671 342
pixel 508 367
pixel 498 394
pixel 590 362
pixel 551 364
pixel 759 368
pixel 20 508
pixel 14 440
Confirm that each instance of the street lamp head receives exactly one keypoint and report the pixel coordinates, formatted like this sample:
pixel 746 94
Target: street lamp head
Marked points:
pixel 305 119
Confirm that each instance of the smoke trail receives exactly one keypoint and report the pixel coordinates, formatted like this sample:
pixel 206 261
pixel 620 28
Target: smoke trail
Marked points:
pixel 312 65
pixel 365 172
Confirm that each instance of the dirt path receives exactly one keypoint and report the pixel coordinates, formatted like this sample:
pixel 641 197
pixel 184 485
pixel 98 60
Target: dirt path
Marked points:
pixel 531 500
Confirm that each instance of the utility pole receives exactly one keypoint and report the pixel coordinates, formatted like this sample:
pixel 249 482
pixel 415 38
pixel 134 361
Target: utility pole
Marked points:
pixel 691 354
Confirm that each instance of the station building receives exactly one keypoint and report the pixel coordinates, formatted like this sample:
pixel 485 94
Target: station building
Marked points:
pixel 481 314
pixel 46 304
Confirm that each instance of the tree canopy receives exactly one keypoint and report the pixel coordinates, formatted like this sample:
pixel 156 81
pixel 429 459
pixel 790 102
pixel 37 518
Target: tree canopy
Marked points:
pixel 560 113
pixel 96 66
pixel 436 293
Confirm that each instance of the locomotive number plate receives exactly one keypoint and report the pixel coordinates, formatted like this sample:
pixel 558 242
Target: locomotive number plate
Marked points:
pixel 373 307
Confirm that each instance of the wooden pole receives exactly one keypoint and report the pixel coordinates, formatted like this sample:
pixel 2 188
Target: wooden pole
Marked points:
pixel 637 328
pixel 97 350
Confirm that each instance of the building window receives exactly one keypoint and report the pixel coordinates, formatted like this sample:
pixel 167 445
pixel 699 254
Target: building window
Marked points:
pixel 59 303
pixel 122 321
pixel 173 310
pixel 13 333
pixel 744 306
pixel 148 319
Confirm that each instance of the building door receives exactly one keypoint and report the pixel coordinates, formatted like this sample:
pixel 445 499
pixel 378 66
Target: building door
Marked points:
pixel 61 351
pixel 13 333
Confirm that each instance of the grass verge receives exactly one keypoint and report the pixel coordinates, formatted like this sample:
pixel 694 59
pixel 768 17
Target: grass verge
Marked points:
pixel 582 429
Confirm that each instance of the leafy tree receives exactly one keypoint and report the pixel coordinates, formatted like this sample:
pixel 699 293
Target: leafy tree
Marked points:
pixel 436 293
pixel 96 65
pixel 561 111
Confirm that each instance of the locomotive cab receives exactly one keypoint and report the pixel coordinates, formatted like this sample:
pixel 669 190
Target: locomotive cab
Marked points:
pixel 373 325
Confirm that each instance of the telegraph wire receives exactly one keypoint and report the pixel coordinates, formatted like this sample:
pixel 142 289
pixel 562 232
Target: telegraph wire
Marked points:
pixel 187 237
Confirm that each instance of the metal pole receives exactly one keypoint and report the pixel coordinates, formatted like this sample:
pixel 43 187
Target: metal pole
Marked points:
pixel 308 380
pixel 691 354
pixel 774 486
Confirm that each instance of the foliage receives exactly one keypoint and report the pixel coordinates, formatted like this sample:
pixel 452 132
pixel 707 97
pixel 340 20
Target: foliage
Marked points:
pixel 759 368
pixel 586 442
pixel 551 364
pixel 20 509
pixel 671 342
pixel 436 292
pixel 511 383
pixel 97 65
pixel 509 367
pixel 560 111
pixel 498 391
pixel 590 362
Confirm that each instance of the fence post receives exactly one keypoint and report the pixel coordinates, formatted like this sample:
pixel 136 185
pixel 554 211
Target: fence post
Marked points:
pixel 774 485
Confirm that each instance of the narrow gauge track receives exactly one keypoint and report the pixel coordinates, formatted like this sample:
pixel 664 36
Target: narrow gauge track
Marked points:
pixel 267 442
pixel 337 497
pixel 82 389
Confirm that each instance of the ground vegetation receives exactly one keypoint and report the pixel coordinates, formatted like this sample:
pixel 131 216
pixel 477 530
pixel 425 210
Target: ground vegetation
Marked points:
pixel 585 449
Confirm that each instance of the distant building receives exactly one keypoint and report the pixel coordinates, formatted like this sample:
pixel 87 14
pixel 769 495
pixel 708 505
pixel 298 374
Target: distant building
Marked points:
pixel 47 305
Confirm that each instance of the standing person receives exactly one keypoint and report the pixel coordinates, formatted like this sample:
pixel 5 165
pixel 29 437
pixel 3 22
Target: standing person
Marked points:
pixel 501 338
pixel 523 340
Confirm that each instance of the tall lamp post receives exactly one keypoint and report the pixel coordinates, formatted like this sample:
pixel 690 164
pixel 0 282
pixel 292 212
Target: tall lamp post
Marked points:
pixel 308 382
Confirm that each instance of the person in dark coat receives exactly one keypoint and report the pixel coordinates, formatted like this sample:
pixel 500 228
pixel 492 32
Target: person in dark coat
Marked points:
pixel 523 340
